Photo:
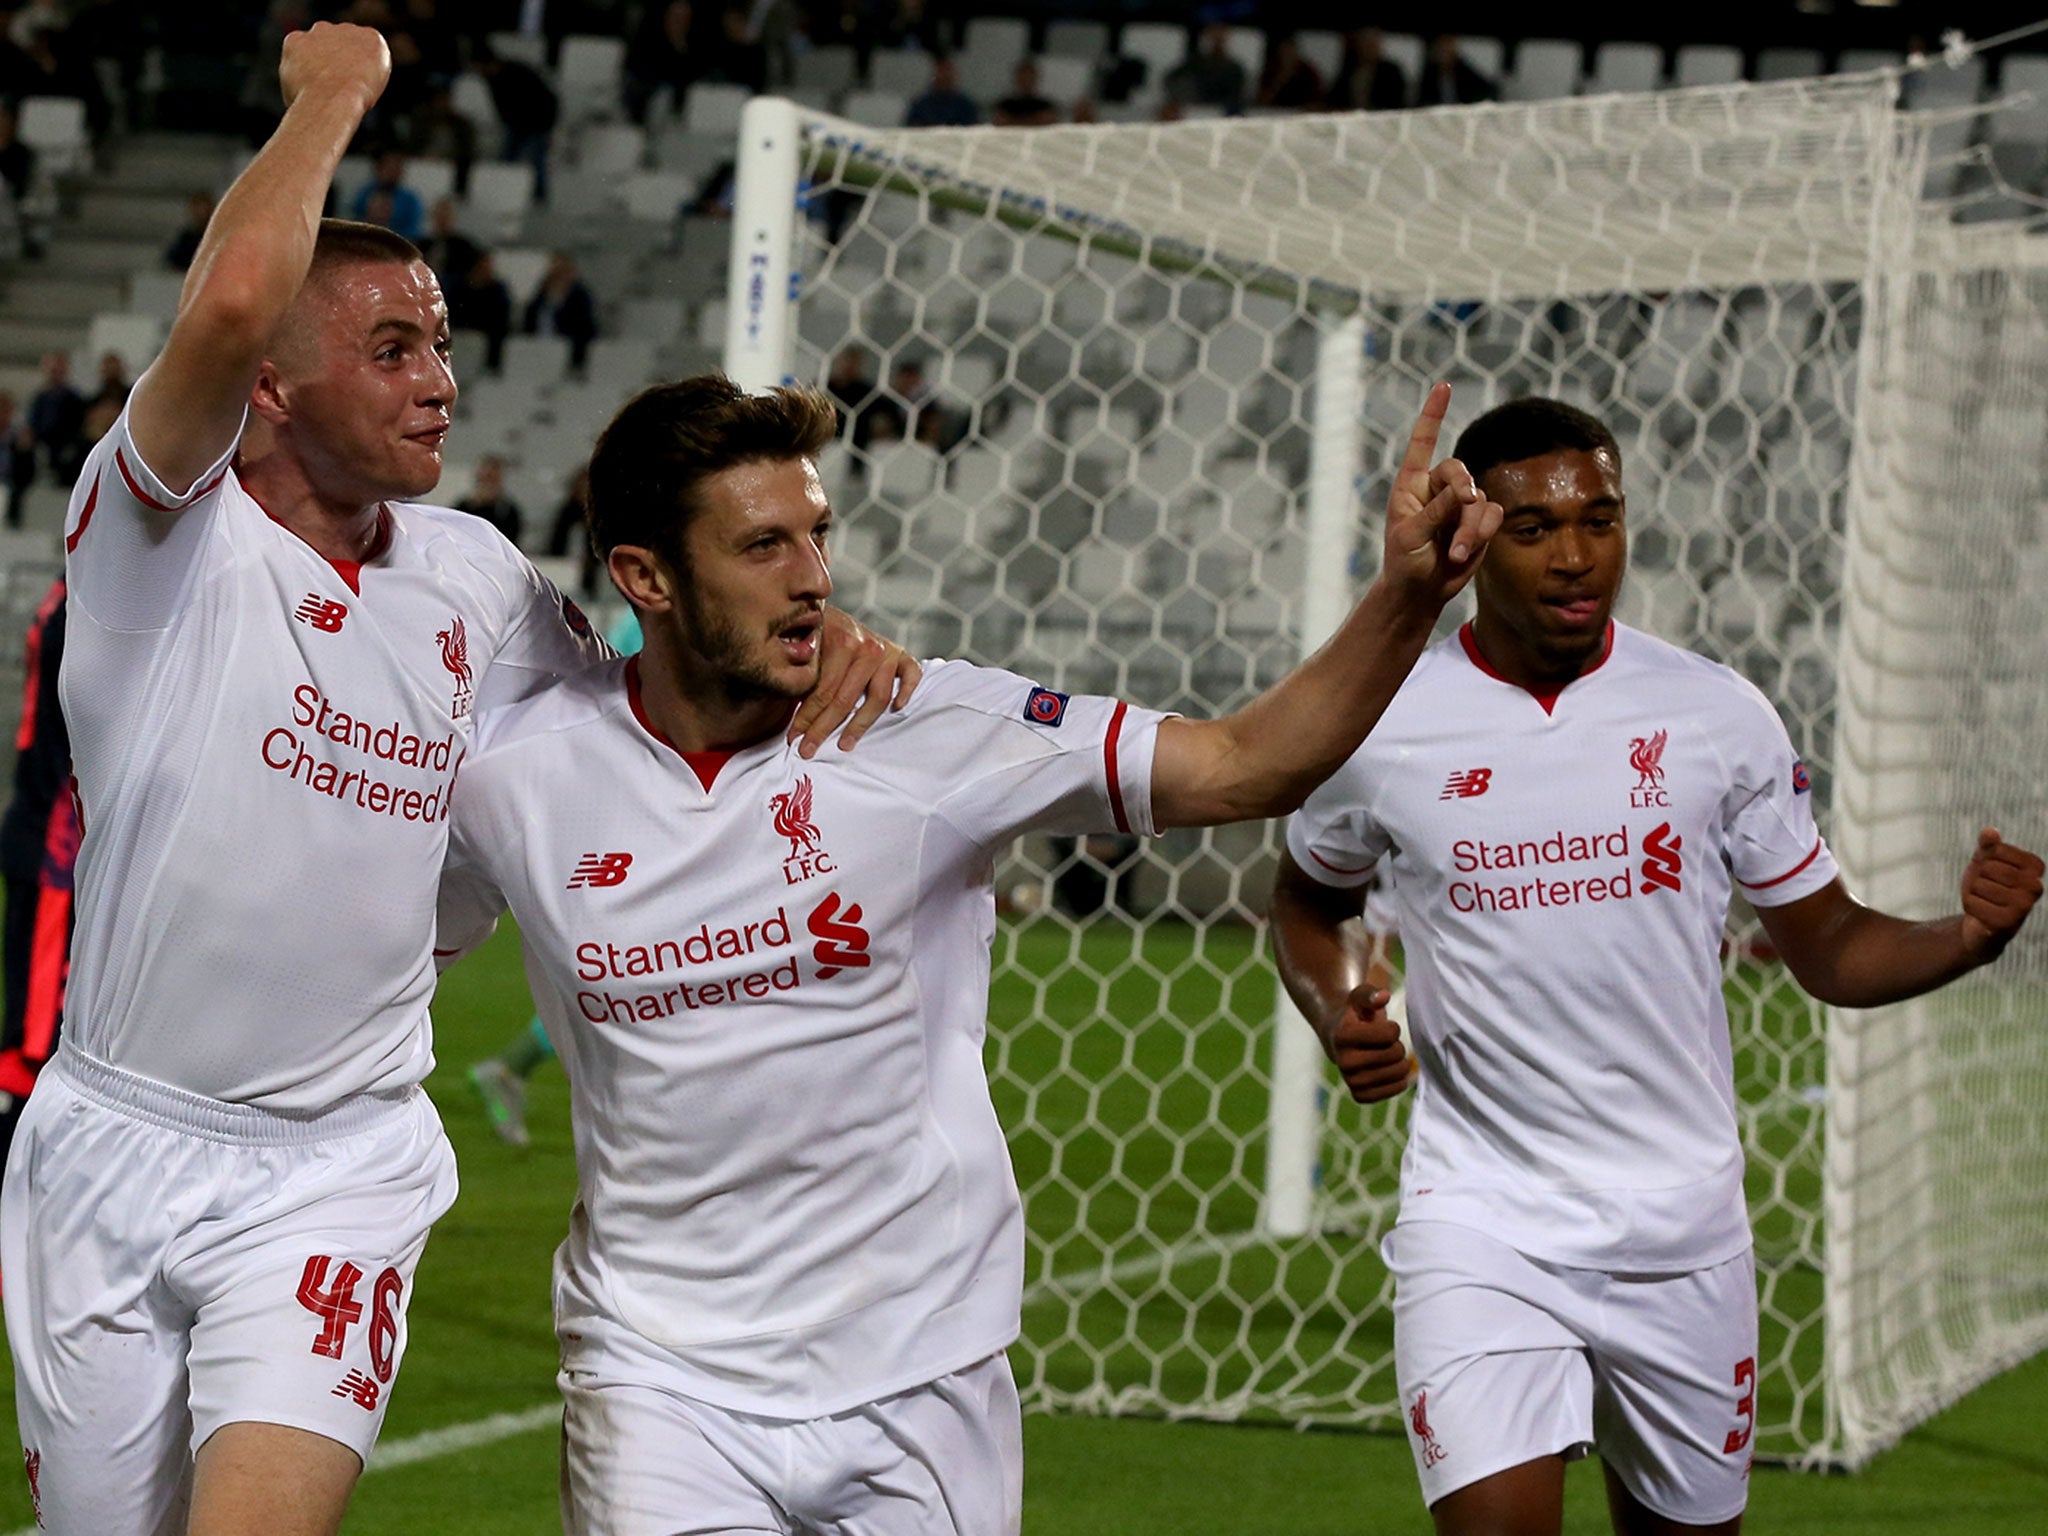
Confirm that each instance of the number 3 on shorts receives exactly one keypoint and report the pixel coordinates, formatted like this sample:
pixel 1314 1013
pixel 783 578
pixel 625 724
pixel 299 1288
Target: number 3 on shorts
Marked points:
pixel 1745 1406
pixel 336 1306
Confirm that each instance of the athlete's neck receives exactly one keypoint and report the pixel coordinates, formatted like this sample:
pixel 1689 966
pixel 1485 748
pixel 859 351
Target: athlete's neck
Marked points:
pixel 347 531
pixel 698 710
pixel 1531 667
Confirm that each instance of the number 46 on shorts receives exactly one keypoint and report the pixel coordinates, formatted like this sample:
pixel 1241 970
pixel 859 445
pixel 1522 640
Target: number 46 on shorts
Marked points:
pixel 333 1301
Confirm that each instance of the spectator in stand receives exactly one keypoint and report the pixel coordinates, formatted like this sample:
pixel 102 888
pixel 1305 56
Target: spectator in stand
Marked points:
pixel 185 243
pixel 942 104
pixel 1448 78
pixel 448 251
pixel 850 385
pixel 571 531
pixel 740 58
pixel 1290 80
pixel 436 131
pixel 104 408
pixel 38 849
pixel 667 53
pixel 56 417
pixel 1367 81
pixel 527 106
pixel 564 307
pixel 895 414
pixel 17 160
pixel 483 302
pixel 17 458
pixel 59 61
pixel 1026 106
pixel 403 213
pixel 1210 76
pixel 488 500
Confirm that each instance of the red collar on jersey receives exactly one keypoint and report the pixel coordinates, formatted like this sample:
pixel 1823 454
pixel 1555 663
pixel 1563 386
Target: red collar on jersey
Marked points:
pixel 704 764
pixel 350 571
pixel 1547 697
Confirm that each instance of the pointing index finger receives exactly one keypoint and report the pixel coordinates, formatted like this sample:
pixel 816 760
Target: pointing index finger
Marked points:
pixel 1422 441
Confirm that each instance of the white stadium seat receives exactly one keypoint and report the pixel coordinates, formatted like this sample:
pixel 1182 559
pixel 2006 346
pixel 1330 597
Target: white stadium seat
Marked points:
pixel 499 196
pixel 54 127
pixel 1545 68
pixel 1626 67
pixel 134 338
pixel 589 77
pixel 714 107
pixel 1707 64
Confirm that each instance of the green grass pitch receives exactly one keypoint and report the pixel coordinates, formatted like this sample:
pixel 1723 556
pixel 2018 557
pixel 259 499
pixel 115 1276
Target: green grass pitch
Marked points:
pixel 481 1343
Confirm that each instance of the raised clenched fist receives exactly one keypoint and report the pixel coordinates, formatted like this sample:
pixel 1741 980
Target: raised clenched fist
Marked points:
pixel 335 60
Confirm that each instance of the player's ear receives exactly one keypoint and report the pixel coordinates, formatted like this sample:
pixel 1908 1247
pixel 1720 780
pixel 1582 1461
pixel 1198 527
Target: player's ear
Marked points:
pixel 642 577
pixel 269 397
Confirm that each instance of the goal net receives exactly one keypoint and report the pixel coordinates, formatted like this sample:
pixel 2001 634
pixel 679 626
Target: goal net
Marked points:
pixel 1123 402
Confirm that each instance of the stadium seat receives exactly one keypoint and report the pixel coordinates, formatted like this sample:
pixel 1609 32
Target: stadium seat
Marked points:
pixel 620 364
pixel 831 70
pixel 1069 38
pixel 521 270
pixel 1247 45
pixel 155 293
pixel 468 350
pixel 1323 48
pixel 989 57
pixel 1066 81
pixel 707 325
pixel 1406 50
pixel 589 77
pixel 350 177
pixel 471 98
pixel 877 109
pixel 1855 61
pixel 537 360
pixel 908 70
pixel 1485 54
pixel 430 179
pixel 1545 68
pixel 656 197
pixel 1160 44
pixel 525 48
pixel 54 127
pixel 609 150
pixel 134 338
pixel 499 196
pixel 1789 63
pixel 2018 124
pixel 714 107
pixel 659 320
pixel 1707 64
pixel 1626 67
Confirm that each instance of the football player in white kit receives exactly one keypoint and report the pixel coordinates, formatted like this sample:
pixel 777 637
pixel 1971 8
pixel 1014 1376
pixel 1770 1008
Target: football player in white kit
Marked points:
pixel 219 1194
pixel 796 1256
pixel 1564 803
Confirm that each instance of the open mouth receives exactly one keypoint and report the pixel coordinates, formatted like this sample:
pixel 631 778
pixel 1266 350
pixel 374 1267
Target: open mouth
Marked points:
pixel 799 637
pixel 1575 609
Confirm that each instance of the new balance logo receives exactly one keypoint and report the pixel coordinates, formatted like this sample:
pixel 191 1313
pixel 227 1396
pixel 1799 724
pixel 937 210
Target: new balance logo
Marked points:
pixel 324 614
pixel 1466 783
pixel 1661 864
pixel 360 1387
pixel 600 869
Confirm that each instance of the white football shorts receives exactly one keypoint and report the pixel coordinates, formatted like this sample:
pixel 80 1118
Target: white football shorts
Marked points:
pixel 173 1264
pixel 1503 1359
pixel 943 1459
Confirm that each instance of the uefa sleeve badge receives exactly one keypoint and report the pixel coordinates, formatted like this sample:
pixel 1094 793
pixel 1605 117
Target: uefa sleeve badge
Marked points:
pixel 1045 707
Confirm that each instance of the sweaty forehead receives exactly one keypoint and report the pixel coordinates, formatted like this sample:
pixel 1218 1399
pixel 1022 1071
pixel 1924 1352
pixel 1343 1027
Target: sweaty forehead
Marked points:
pixel 364 295
pixel 1564 478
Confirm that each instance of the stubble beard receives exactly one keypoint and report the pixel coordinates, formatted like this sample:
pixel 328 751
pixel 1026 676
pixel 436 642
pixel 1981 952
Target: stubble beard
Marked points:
pixel 738 669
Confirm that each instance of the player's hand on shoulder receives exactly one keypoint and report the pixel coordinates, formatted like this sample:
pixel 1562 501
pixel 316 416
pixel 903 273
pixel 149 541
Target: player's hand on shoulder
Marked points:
pixel 335 59
pixel 2001 883
pixel 1438 522
pixel 1366 1046
pixel 860 677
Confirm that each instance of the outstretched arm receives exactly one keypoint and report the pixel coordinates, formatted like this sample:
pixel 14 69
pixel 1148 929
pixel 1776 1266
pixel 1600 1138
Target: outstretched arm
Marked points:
pixel 1326 962
pixel 188 408
pixel 1856 957
pixel 1264 759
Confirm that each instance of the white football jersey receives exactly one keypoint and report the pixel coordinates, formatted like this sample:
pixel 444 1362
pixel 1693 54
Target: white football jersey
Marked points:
pixel 264 741
pixel 768 981
pixel 1562 870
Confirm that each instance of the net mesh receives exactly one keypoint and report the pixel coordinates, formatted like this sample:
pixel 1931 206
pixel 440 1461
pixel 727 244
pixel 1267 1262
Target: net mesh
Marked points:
pixel 1098 473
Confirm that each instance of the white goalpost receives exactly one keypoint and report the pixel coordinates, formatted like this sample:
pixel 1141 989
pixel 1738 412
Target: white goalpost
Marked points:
pixel 1152 380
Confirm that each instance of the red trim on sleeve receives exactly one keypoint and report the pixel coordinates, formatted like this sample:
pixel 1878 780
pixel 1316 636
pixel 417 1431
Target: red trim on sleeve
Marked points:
pixel 1765 885
pixel 92 499
pixel 1109 768
pixel 1547 697
pixel 136 490
pixel 1339 869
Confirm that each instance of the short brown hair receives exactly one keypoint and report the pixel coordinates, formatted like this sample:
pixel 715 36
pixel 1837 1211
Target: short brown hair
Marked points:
pixel 345 242
pixel 667 441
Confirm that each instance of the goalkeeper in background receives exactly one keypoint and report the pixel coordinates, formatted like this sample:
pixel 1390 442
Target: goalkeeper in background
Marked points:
pixel 1563 802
